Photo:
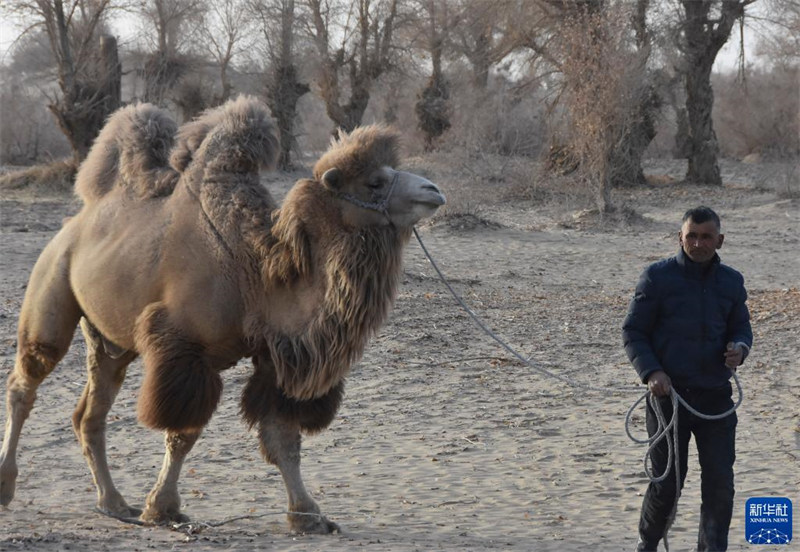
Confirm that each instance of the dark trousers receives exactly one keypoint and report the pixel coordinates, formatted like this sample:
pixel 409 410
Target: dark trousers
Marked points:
pixel 715 440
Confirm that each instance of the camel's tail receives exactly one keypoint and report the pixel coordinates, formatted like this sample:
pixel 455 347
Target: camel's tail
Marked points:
pixel 234 138
pixel 131 151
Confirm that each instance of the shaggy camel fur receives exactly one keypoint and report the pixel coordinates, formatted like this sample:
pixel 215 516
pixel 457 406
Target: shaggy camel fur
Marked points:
pixel 192 266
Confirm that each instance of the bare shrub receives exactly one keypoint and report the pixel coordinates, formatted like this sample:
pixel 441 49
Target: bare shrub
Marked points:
pixel 463 214
pixel 788 182
pixel 28 132
pixel 57 178
pixel 781 178
pixel 433 111
pixel 603 85
pixel 772 104
pixel 161 74
pixel 561 160
pixel 504 119
pixel 193 95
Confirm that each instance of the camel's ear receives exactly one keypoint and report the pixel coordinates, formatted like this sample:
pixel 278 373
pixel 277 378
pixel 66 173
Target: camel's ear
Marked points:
pixel 333 179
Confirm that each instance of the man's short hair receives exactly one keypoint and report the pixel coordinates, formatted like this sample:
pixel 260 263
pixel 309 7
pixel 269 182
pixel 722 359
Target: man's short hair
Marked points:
pixel 702 214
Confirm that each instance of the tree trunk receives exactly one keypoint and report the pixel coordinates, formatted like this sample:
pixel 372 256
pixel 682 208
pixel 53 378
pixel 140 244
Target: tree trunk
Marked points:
pixel 432 109
pixel 704 36
pixel 683 144
pixel 283 94
pixel 392 102
pixel 347 117
pixel 433 116
pixel 703 166
pixel 602 197
pixel 227 87
pixel 110 75
pixel 481 61
pixel 627 157
pixel 285 90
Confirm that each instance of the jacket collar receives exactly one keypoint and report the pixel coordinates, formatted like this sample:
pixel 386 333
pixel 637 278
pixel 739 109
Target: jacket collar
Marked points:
pixel 696 270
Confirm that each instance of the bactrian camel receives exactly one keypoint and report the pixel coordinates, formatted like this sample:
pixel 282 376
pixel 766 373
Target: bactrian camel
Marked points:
pixel 179 255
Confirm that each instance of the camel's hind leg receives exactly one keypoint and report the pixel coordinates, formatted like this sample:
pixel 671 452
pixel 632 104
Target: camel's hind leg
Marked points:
pixel 48 320
pixel 106 375
pixel 20 396
pixel 280 420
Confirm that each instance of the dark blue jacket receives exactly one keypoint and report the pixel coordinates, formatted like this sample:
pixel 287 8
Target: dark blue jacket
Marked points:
pixel 681 319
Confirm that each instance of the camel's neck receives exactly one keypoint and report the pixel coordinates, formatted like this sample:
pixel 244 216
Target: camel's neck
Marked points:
pixel 360 271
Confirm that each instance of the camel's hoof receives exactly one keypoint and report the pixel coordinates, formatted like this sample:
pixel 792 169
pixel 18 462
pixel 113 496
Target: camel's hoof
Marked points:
pixel 312 523
pixel 163 518
pixel 179 518
pixel 123 513
pixel 8 484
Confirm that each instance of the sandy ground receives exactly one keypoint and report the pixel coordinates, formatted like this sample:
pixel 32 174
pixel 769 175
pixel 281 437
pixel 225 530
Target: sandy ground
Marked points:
pixel 444 443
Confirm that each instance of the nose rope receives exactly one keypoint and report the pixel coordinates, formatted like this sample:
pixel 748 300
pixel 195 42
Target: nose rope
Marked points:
pixel 381 206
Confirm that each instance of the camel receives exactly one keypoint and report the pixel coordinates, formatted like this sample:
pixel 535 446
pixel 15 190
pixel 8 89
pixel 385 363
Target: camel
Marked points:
pixel 180 256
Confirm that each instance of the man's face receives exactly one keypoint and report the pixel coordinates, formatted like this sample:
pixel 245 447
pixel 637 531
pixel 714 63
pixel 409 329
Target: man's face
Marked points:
pixel 700 241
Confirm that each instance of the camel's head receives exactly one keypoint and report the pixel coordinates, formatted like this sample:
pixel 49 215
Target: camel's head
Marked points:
pixel 359 169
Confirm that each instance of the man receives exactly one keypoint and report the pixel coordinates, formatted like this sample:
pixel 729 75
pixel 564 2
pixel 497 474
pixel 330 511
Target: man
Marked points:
pixel 687 328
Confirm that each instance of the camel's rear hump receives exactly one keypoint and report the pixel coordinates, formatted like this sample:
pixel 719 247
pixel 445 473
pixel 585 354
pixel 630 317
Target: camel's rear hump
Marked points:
pixel 131 151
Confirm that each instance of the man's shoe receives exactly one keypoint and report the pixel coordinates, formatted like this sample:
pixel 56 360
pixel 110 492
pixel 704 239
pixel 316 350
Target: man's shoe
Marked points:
pixel 644 546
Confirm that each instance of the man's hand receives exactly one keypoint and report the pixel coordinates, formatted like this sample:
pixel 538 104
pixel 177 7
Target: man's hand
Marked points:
pixel 659 383
pixel 733 356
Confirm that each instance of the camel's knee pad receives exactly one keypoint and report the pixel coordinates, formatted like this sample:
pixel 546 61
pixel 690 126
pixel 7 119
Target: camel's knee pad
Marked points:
pixel 181 389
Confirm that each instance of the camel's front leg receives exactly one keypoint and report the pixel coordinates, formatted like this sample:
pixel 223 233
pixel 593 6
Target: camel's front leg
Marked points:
pixel 280 420
pixel 179 393
pixel 106 375
pixel 163 502
pixel 280 445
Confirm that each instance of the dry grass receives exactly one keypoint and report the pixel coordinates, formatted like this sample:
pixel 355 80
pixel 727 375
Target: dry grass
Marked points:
pixel 661 179
pixel 56 178
pixel 785 180
pixel 593 220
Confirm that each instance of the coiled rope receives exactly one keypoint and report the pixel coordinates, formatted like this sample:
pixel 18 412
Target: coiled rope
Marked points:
pixel 665 430
pixel 669 431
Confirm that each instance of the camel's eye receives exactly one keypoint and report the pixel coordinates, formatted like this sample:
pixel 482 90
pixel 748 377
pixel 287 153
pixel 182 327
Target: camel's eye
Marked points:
pixel 376 183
